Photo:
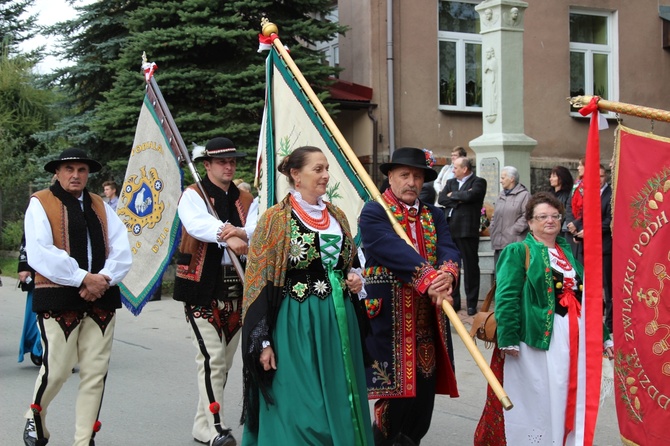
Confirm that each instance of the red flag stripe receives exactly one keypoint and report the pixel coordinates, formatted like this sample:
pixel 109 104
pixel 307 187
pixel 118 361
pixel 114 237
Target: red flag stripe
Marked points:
pixel 593 272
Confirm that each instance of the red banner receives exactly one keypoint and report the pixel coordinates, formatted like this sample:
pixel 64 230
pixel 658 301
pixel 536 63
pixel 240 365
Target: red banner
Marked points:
pixel 641 264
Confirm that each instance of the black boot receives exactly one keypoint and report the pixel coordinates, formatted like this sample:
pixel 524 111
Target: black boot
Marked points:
pixel 403 440
pixel 225 438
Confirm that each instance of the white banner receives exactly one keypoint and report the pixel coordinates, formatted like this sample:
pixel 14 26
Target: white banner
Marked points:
pixel 291 121
pixel 148 207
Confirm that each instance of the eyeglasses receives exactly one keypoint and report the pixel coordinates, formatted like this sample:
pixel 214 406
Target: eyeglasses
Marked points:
pixel 547 217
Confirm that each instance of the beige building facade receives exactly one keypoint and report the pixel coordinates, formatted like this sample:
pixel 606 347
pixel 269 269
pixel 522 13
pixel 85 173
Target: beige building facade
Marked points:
pixel 424 67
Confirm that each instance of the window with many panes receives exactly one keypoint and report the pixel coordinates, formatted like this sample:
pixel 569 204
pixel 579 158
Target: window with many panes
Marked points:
pixel 330 49
pixel 593 54
pixel 460 56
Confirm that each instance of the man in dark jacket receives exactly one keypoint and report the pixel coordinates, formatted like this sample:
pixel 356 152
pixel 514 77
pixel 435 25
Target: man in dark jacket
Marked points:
pixel 462 199
pixel 409 341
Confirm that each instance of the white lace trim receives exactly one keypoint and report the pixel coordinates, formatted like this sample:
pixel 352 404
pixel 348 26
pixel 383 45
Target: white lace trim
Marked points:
pixel 313 210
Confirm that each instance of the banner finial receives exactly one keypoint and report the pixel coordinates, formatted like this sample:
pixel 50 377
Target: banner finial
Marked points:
pixel 268 28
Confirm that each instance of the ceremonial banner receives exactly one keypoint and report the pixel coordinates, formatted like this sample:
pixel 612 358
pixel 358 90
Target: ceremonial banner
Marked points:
pixel 290 121
pixel 148 206
pixel 641 234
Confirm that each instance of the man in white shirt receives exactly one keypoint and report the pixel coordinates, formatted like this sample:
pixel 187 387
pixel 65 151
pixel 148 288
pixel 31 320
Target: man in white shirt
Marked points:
pixel 447 171
pixel 79 250
pixel 208 284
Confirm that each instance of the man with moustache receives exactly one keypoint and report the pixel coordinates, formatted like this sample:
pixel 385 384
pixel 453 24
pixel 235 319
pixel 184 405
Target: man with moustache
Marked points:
pixel 79 250
pixel 208 284
pixel 409 340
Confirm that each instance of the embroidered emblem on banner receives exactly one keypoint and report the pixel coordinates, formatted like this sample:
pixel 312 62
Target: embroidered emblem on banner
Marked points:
pixel 640 282
pixel 144 207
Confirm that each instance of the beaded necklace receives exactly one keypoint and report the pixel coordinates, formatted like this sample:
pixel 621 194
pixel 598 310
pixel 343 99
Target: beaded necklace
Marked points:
pixel 561 259
pixel 320 224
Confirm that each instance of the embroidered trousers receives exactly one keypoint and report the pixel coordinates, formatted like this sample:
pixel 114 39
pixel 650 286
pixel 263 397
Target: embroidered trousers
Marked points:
pixel 88 346
pixel 214 357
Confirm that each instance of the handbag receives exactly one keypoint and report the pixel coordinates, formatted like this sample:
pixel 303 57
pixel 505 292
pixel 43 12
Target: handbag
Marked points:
pixel 484 323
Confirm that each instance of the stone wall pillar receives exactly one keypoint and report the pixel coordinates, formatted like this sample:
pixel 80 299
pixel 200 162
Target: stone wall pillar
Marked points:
pixel 503 142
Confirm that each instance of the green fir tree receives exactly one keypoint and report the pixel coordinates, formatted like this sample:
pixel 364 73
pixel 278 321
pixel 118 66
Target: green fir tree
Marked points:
pixel 209 70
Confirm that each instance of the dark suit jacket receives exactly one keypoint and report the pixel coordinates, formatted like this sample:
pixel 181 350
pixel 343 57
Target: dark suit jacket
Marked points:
pixel 606 213
pixel 466 204
pixel 427 194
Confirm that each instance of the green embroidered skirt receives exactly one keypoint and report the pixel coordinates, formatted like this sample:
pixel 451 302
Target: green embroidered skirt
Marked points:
pixel 312 401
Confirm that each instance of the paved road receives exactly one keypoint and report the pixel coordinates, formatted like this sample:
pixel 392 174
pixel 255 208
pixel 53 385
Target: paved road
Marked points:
pixel 151 390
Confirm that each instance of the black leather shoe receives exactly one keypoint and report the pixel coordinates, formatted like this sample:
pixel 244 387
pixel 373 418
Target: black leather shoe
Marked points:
pixel 472 311
pixel 225 438
pixel 37 360
pixel 30 435
pixel 403 440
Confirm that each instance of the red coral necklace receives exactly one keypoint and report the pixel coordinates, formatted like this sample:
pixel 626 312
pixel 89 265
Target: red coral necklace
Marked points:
pixel 321 224
pixel 561 259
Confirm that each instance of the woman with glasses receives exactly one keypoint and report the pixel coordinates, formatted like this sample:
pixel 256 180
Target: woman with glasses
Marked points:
pixel 540 322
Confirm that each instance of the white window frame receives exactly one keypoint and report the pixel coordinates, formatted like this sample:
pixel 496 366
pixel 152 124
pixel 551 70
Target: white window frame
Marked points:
pixel 611 50
pixel 461 39
pixel 330 48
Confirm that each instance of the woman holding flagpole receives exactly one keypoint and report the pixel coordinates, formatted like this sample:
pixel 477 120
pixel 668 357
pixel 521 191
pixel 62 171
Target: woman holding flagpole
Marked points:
pixel 301 319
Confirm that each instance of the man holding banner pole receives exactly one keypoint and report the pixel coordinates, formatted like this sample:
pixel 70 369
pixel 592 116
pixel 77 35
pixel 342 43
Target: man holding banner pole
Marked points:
pixel 207 282
pixel 410 341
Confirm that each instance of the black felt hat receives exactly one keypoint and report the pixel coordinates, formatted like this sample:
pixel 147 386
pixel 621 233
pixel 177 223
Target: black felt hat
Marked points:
pixel 73 154
pixel 219 147
pixel 412 157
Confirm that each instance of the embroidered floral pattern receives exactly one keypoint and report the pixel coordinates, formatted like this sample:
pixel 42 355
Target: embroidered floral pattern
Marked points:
pixel 216 312
pixel 424 273
pixel 306 276
pixel 549 281
pixel 299 289
pixel 101 317
pixel 425 337
pixel 297 251
pixel 380 373
pixel 302 249
pixel 68 320
pixel 429 235
pixel 320 288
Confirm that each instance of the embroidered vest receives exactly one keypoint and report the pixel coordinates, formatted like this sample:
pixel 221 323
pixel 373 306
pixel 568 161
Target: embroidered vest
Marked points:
pixel 199 263
pixel 50 296
pixel 305 274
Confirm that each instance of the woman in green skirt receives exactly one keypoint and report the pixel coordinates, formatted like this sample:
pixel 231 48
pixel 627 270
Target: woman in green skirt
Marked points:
pixel 304 378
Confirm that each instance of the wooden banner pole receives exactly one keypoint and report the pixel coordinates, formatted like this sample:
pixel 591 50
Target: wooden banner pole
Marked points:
pixel 622 108
pixel 270 30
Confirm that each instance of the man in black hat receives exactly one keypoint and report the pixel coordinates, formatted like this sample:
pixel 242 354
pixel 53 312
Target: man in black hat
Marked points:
pixel 409 340
pixel 208 284
pixel 79 250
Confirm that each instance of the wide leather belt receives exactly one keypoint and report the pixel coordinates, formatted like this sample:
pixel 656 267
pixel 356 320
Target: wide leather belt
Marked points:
pixel 229 275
